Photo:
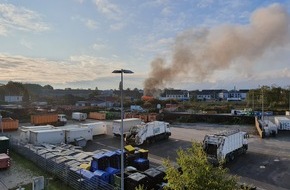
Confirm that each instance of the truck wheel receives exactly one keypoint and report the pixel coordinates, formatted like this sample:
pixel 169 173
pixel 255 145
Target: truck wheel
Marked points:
pixel 227 158
pixel 147 141
pixel 232 156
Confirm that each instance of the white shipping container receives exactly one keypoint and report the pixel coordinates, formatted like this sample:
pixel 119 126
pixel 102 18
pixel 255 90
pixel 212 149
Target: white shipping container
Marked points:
pixel 283 123
pixel 37 127
pixel 127 124
pixel 53 136
pixel 68 127
pixel 25 131
pixel 98 128
pixel 76 133
pixel 79 116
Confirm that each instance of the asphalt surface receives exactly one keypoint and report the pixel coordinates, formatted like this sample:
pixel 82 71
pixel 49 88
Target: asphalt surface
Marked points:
pixel 266 164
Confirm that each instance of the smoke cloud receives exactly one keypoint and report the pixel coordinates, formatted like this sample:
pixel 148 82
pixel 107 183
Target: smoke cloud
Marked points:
pixel 200 52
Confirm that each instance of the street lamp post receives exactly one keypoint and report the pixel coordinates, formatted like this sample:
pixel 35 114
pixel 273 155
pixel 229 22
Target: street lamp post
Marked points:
pixel 122 117
pixel 1 123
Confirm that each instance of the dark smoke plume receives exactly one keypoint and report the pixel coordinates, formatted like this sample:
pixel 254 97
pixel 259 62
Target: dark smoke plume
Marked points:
pixel 201 52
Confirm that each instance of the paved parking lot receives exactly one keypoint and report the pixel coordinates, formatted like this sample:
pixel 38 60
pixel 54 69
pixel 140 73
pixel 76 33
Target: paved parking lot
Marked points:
pixel 266 164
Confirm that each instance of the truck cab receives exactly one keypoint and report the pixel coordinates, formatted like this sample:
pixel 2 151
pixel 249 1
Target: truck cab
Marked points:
pixel 62 118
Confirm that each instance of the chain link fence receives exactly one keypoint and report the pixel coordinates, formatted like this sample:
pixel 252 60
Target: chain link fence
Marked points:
pixel 63 167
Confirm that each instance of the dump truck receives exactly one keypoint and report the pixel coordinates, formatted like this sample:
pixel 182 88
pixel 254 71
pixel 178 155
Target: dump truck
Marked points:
pixel 269 128
pixel 49 119
pixel 225 145
pixel 127 124
pixel 4 152
pixel 149 133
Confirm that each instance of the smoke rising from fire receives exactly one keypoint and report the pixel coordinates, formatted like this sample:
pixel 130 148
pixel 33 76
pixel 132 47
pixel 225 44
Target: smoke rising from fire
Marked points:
pixel 200 52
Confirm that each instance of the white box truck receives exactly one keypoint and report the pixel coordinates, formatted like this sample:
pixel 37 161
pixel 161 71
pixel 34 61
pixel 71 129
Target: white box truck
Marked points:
pixel 127 124
pixel 136 108
pixel 225 146
pixel 149 133
pixel 98 128
pixel 76 133
pixel 52 136
pixel 283 123
pixel 79 116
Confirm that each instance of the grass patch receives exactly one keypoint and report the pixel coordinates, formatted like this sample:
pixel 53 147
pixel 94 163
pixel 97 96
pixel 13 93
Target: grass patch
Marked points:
pixel 54 183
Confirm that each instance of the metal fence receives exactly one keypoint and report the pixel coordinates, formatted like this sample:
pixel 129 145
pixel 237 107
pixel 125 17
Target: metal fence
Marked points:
pixel 70 175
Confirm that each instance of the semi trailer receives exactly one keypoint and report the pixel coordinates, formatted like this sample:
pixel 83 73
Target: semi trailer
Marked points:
pixel 149 133
pixel 225 145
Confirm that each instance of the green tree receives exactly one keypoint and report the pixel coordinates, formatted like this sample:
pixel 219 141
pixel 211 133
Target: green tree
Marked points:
pixel 48 87
pixel 196 172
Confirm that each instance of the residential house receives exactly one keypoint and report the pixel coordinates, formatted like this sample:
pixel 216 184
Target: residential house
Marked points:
pixel 174 94
pixel 13 99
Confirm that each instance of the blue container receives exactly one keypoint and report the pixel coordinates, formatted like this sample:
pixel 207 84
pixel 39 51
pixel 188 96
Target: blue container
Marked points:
pixel 118 152
pixel 100 162
pixel 141 164
pixel 114 159
pixel 111 171
pixel 102 175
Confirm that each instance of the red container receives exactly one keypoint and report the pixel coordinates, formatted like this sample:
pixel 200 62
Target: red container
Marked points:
pixel 97 115
pixel 9 124
pixel 4 161
pixel 44 119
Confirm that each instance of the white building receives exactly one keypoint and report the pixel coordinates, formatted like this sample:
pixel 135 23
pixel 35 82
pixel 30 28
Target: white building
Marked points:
pixel 11 99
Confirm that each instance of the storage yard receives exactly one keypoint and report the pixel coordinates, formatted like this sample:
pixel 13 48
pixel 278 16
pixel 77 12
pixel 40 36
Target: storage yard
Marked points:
pixel 265 165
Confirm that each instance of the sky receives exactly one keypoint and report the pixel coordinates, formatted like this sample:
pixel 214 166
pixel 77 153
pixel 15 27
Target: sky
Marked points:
pixel 78 43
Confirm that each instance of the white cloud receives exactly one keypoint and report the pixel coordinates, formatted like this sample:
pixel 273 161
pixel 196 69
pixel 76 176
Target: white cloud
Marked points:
pixel 91 24
pixel 80 1
pixel 110 10
pixel 166 11
pixel 117 26
pixel 20 18
pixel 99 46
pixel 204 3
pixel 26 44
pixel 40 70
